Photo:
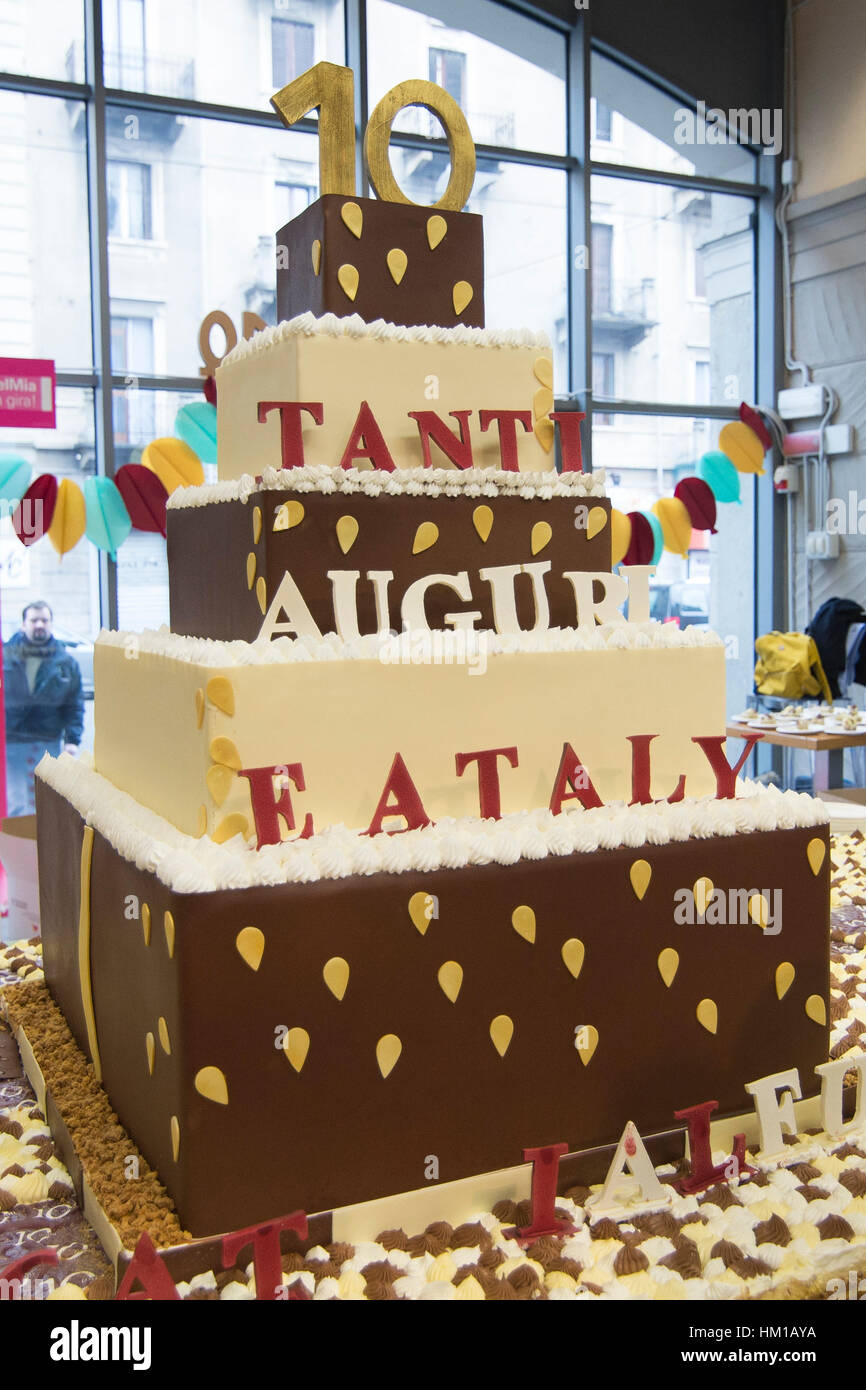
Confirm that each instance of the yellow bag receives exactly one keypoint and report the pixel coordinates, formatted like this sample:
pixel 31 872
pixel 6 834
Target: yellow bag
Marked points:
pixel 789 665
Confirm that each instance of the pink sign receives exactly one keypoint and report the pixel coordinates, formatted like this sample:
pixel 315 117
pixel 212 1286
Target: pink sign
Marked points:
pixel 27 393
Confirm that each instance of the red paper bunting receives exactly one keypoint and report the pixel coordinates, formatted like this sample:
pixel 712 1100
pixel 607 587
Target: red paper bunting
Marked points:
pixel 643 542
pixel 750 417
pixel 144 495
pixel 210 390
pixel 698 499
pixel 34 513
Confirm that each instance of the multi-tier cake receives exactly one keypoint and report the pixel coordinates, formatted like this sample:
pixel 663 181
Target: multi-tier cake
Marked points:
pixel 373 881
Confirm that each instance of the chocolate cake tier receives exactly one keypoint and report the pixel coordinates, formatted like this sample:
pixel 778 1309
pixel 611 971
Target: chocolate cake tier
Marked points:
pixel 393 261
pixel 319 1043
pixel 227 558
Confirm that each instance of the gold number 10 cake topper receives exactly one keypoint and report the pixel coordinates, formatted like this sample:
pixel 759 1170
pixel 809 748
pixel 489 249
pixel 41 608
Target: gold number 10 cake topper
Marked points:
pixel 330 89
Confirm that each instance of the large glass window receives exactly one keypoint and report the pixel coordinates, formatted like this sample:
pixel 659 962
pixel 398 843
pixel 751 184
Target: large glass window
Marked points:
pixel 45 281
pixel 219 196
pixel 506 71
pixel 217 50
pixel 192 205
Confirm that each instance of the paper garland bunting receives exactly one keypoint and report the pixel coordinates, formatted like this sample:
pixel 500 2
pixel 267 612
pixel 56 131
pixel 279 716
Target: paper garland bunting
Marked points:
pixel 35 512
pixel 14 477
pixel 69 517
pixel 638 538
pixel 144 497
pixel 108 509
pixel 108 521
pixel 196 425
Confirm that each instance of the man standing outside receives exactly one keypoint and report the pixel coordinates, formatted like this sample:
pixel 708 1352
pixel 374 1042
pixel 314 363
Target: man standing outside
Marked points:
pixel 44 703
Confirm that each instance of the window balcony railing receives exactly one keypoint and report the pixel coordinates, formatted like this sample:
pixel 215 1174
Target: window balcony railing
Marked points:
pixel 487 127
pixel 624 309
pixel 141 72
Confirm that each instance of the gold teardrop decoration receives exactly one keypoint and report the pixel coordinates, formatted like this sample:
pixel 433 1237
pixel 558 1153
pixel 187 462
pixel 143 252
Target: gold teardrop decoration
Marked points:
pixel 482 520
pixel 221 693
pixel 168 928
pixel 759 910
pixel 461 295
pixel 145 923
pixel 436 229
pixel 175 1137
pixel 595 522
pixel 501 1033
pixel 541 534
pixel 815 852
pixel 542 370
pixel 336 976
pixel 784 978
pixel 397 263
pixel 223 750
pixel 587 1042
pixel 668 964
pixel 262 594
pixel 219 782
pixel 211 1083
pixel 316 256
pixel 229 827
pixel 523 922
pixel 450 977
pixel 639 875
pixel 347 533
pixel 201 828
pixel 426 536
pixel 543 430
pixel 388 1050
pixel 296 1045
pixel 573 953
pixel 349 280
pixel 703 892
pixel 199 708
pixel 353 218
pixel 257 525
pixel 542 402
pixel 420 905
pixel 165 1040
pixel 816 1009
pixel 708 1015
pixel 150 1048
pixel 250 946
pixel 251 569
pixel 288 515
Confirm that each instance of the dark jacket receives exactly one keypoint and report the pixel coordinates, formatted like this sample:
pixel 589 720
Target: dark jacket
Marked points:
pixel 829 627
pixel 55 707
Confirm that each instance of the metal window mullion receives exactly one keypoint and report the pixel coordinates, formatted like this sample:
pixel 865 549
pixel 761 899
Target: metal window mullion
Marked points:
pixel 770 556
pixel 355 19
pixel 578 268
pixel 100 302
pixel 706 184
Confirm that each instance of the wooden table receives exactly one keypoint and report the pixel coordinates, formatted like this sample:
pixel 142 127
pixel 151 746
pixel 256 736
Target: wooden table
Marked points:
pixel 829 750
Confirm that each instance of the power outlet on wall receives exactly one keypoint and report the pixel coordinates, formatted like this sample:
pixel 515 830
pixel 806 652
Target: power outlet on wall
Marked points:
pixel 822 545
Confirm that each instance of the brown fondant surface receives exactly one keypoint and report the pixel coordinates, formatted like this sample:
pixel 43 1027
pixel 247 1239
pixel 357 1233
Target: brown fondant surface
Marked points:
pixel 424 294
pixel 208 549
pixel 338 1132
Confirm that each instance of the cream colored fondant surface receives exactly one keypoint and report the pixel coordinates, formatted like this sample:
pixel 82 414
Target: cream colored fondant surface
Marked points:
pixel 345 722
pixel 394 377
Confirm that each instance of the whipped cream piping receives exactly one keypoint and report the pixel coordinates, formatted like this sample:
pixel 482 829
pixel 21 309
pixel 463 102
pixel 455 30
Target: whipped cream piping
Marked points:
pixel 188 865
pixel 203 651
pixel 353 326
pixel 416 482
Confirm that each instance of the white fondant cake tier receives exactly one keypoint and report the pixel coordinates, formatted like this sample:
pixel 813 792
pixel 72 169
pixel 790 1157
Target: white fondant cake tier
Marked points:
pixel 342 363
pixel 179 719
